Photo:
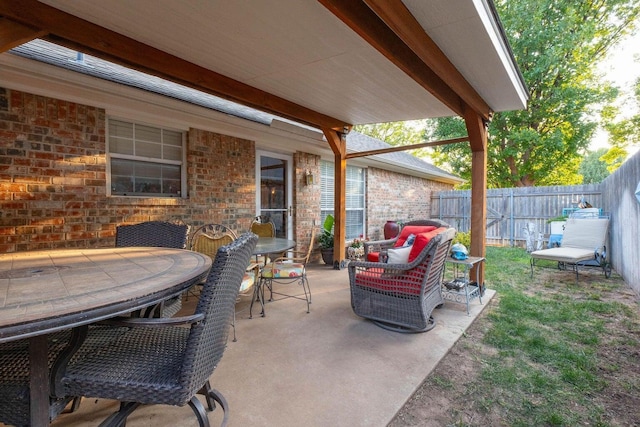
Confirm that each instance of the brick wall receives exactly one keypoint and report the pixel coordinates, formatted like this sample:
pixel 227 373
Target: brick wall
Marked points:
pixel 53 182
pixel 221 175
pixel 398 197
pixel 53 178
pixel 306 198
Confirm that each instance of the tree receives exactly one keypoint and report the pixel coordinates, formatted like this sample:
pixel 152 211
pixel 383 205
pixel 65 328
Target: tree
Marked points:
pixel 557 45
pixel 622 133
pixel 593 169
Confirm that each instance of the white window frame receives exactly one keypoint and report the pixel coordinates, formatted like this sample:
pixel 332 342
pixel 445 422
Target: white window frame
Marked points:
pixel 354 202
pixel 182 192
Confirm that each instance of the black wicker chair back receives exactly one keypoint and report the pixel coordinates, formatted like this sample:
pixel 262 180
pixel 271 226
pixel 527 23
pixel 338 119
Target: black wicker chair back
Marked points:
pixel 161 234
pixel 160 361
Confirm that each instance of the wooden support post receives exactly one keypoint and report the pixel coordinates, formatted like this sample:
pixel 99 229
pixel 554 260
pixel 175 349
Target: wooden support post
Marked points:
pixel 477 131
pixel 338 143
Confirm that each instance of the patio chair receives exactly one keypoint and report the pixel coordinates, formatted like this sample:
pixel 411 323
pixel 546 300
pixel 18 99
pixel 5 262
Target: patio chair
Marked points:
pixel 162 234
pixel 289 269
pixel 583 245
pixel 207 239
pixel 263 226
pixel 15 404
pixel 164 361
pixel 401 295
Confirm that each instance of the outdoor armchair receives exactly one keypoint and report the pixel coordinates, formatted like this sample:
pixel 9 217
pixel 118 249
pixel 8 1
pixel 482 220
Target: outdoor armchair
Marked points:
pixel 164 234
pixel 288 269
pixel 164 361
pixel 400 296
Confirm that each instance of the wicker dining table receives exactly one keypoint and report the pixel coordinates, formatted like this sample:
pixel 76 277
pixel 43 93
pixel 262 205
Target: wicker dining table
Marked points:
pixel 47 291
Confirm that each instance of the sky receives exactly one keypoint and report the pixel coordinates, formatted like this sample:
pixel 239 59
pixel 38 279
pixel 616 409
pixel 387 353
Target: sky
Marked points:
pixel 622 67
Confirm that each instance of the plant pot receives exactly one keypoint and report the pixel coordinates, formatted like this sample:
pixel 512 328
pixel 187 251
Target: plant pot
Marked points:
pixel 391 230
pixel 327 256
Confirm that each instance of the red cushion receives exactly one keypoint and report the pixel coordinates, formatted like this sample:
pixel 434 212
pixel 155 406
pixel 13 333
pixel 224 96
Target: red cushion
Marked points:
pixel 373 256
pixel 412 229
pixel 375 279
pixel 422 240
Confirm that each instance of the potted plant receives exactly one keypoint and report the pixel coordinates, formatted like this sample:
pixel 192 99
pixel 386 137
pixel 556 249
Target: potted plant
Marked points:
pixel 355 250
pixel 326 240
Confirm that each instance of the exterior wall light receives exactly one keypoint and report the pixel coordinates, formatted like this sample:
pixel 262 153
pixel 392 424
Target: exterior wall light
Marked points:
pixel 308 176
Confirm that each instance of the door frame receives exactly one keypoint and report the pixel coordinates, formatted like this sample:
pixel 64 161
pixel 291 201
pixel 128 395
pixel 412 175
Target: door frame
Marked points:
pixel 289 185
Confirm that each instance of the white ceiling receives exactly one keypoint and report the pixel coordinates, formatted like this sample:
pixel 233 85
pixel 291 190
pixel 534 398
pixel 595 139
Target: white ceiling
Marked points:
pixel 298 50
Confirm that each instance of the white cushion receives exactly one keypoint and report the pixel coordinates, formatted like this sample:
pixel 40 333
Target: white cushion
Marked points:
pixel 399 255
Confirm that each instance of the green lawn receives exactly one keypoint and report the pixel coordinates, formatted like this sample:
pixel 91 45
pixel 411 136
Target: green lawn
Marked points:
pixel 551 351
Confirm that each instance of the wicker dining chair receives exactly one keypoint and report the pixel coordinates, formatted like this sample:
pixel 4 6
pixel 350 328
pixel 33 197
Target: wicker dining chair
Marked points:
pixel 15 387
pixel 164 234
pixel 288 269
pixel 165 361
pixel 207 239
pixel 263 226
pixel 15 406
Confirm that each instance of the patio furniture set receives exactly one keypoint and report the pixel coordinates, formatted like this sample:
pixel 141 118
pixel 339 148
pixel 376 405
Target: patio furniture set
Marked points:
pixel 140 353
pixel 149 356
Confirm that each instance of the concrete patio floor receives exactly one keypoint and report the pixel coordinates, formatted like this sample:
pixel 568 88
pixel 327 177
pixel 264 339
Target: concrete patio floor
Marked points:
pixel 326 368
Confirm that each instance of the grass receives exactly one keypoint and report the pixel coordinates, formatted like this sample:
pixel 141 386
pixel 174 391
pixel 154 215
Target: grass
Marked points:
pixel 543 359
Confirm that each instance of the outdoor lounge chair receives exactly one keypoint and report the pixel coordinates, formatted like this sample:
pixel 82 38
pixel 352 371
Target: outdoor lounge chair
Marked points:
pixel 401 296
pixel 164 361
pixel 583 245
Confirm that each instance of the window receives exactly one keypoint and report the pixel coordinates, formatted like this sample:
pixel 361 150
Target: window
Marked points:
pixel 145 160
pixel 354 197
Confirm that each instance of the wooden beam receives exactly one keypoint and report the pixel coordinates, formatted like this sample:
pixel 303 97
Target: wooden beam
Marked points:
pixel 14 34
pixel 338 143
pixel 400 20
pixel 78 34
pixel 361 19
pixel 406 147
pixel 478 139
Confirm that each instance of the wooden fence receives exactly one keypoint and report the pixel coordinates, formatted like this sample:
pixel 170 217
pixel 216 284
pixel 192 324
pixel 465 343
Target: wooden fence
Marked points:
pixel 624 233
pixel 510 210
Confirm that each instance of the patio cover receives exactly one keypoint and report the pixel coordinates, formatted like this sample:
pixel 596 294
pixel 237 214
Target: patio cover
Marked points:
pixel 329 64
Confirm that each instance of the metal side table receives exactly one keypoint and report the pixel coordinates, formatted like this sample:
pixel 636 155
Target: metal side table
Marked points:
pixel 457 287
